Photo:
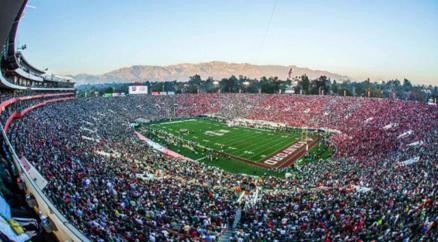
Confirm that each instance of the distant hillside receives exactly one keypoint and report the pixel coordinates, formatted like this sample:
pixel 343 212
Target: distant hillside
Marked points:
pixel 215 69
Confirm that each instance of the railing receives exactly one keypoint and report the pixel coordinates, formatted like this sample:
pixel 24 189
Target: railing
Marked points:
pixel 8 102
pixel 26 65
pixel 56 78
pixel 25 111
pixel 7 84
pixel 29 75
pixel 64 231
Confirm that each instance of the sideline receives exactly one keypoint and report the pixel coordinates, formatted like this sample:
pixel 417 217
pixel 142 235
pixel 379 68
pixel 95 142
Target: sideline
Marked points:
pixel 160 148
pixel 178 121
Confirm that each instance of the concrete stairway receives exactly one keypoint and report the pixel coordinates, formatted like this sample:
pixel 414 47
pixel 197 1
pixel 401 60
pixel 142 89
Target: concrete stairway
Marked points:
pixel 229 232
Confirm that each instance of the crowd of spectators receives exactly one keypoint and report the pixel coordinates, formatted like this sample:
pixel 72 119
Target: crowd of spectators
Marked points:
pixel 112 186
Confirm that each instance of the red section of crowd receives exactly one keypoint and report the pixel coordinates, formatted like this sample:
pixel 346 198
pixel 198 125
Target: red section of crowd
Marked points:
pixel 366 124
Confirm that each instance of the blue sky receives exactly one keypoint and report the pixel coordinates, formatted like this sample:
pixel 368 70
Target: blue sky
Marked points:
pixel 380 39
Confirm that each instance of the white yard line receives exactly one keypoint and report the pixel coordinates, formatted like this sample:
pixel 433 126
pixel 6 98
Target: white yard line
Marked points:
pixel 178 121
pixel 201 158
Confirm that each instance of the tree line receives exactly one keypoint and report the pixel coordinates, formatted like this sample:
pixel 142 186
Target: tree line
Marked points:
pixel 299 85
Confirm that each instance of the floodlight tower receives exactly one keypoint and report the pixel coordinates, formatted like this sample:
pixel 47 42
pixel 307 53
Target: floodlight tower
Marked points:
pixel 216 84
pixel 246 84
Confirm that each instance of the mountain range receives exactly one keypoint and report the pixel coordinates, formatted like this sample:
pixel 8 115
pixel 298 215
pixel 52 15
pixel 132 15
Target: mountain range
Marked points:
pixel 215 69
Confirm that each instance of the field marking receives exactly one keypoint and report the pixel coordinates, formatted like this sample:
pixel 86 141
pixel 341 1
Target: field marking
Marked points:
pixel 298 155
pixel 290 159
pixel 272 143
pixel 199 159
pixel 275 143
pixel 236 138
pixel 242 140
pixel 242 151
pixel 177 121
pixel 265 130
pixel 241 137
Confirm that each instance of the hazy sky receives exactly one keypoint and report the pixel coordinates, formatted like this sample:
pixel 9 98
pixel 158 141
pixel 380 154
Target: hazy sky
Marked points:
pixel 380 39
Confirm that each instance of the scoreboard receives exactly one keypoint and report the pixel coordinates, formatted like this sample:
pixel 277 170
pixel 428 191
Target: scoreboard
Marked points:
pixel 138 90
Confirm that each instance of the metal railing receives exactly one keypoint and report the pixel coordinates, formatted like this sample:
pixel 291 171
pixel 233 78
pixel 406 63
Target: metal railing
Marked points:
pixel 64 231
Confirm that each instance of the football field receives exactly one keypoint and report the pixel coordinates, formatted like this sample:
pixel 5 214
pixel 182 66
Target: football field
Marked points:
pixel 247 143
pixel 239 149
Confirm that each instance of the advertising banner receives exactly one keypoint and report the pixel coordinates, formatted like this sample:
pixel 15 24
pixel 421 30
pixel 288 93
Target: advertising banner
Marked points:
pixel 138 90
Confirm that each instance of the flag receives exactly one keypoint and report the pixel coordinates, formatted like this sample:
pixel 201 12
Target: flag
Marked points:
pixel 289 74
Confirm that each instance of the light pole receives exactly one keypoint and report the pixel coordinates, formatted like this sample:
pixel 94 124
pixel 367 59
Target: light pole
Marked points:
pixel 216 84
pixel 246 84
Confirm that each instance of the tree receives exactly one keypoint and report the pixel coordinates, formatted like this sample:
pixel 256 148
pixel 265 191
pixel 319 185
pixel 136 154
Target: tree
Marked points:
pixel 407 86
pixel 229 84
pixel 305 84
pixel 108 90
pixel 334 89
pixel 323 84
pixel 253 86
pixel 267 85
pixel 210 87
pixel 194 83
pixel 407 89
pixel 385 89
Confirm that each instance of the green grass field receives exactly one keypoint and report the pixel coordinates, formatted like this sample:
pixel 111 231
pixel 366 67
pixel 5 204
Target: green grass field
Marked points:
pixel 247 143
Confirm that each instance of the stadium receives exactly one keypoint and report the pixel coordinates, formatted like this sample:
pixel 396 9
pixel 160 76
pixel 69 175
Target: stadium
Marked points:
pixel 209 166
